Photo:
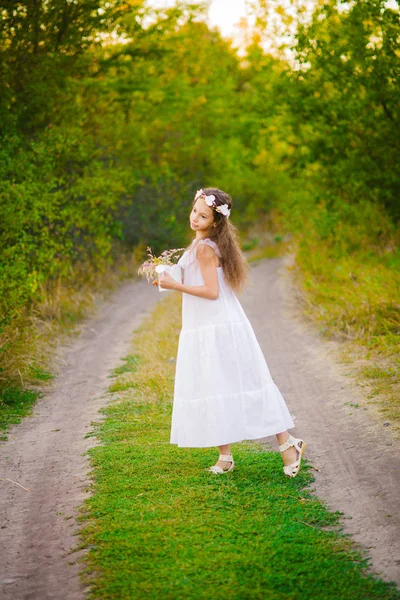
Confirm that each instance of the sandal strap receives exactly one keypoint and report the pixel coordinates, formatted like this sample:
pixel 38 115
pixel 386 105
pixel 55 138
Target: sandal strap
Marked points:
pixel 227 457
pixel 215 469
pixel 291 441
pixel 286 445
pixel 292 469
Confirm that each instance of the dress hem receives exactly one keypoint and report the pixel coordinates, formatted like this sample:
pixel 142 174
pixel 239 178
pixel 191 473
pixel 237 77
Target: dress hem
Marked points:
pixel 241 439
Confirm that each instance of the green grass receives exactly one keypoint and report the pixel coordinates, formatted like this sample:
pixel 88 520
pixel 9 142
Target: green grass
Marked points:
pixel 40 374
pixel 158 525
pixel 14 405
pixel 272 247
pixel 128 366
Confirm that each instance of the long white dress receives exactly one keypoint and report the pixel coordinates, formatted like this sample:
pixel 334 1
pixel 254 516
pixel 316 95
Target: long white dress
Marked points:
pixel 223 389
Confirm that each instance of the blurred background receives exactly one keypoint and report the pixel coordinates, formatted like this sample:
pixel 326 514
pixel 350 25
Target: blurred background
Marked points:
pixel 113 114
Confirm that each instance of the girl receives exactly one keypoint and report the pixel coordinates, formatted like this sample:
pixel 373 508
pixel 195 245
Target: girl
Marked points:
pixel 223 392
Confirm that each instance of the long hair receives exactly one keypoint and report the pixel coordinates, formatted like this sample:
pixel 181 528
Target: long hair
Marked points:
pixel 226 236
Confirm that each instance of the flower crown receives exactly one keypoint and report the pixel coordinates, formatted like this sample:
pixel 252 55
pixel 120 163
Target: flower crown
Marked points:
pixel 210 201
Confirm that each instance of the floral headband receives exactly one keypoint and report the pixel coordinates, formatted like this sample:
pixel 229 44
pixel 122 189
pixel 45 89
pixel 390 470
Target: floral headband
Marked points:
pixel 210 201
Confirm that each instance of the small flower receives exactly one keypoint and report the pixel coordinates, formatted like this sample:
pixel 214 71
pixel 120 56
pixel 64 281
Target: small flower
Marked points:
pixel 210 200
pixel 198 194
pixel 158 264
pixel 223 209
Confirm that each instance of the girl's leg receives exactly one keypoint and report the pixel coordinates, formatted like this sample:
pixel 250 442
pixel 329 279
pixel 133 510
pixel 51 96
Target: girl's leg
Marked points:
pixel 289 455
pixel 224 464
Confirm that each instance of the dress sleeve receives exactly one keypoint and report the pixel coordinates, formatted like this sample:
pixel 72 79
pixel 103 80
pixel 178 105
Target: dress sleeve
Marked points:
pixel 213 245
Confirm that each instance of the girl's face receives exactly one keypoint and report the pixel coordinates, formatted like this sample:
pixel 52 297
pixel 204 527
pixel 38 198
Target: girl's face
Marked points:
pixel 202 216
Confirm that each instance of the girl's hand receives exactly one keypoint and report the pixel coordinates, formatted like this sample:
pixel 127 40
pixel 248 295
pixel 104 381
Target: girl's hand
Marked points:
pixel 166 281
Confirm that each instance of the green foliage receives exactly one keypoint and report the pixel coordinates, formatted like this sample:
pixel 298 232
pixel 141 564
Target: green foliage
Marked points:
pixel 41 44
pixel 66 209
pixel 347 100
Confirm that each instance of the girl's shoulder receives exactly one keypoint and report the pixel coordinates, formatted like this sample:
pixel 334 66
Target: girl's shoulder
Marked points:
pixel 189 256
pixel 210 243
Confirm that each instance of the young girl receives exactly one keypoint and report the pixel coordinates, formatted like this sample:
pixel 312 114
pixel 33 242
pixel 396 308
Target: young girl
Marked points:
pixel 224 392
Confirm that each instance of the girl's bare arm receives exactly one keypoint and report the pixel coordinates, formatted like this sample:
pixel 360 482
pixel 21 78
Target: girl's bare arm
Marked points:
pixel 210 290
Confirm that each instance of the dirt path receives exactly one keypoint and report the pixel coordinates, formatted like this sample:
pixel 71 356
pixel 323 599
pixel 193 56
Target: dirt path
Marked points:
pixel 358 459
pixel 45 453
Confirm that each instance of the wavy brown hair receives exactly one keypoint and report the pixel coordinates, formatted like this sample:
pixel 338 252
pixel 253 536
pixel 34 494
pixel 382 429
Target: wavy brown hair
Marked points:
pixel 226 236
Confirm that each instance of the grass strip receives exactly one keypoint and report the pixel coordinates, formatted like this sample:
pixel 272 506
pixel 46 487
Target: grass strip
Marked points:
pixel 158 525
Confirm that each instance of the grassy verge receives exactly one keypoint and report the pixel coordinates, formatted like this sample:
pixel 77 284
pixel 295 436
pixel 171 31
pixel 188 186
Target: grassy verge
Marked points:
pixel 27 344
pixel 158 525
pixel 355 300
pixel 348 283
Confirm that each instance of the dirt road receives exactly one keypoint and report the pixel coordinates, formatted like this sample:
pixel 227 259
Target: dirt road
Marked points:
pixel 357 458
pixel 45 455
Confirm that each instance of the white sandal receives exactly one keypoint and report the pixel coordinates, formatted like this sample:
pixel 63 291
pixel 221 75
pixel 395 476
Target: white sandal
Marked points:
pixel 218 470
pixel 292 469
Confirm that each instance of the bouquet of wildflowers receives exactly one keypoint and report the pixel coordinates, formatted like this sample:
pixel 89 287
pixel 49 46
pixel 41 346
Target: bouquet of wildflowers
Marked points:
pixel 154 265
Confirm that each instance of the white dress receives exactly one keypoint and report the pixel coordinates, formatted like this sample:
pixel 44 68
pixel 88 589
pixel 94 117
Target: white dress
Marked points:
pixel 223 389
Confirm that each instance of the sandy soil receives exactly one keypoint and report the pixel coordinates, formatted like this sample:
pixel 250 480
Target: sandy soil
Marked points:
pixel 45 454
pixel 356 457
